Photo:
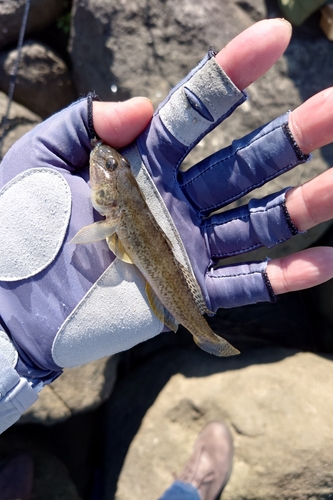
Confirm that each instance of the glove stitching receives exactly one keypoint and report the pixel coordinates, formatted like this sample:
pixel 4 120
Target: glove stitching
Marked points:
pixel 265 278
pixel 228 157
pixel 300 155
pixel 246 249
pixel 247 217
pixel 269 287
pixel 243 217
pixel 251 188
pixel 293 229
pixel 234 275
pixel 238 252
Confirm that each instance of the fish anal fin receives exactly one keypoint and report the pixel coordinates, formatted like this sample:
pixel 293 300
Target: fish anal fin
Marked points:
pixel 94 232
pixel 159 310
pixel 118 249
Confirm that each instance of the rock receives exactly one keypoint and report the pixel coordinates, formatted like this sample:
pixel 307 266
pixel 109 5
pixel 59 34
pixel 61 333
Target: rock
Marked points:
pixel 143 49
pixel 77 390
pixel 20 121
pixel 41 14
pixel 43 82
pixel 276 402
pixel 51 478
pixel 137 49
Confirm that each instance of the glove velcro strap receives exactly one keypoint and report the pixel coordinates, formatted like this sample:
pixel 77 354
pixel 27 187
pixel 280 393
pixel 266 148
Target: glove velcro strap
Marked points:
pixel 16 394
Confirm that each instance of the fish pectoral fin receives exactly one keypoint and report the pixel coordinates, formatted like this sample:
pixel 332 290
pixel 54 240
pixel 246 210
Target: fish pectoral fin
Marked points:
pixel 159 310
pixel 118 249
pixel 94 232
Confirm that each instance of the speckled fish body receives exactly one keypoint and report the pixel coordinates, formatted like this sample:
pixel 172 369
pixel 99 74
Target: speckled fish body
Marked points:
pixel 134 236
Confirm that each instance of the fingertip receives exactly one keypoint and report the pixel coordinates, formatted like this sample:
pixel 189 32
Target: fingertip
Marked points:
pixel 311 134
pixel 119 123
pixel 304 269
pixel 250 54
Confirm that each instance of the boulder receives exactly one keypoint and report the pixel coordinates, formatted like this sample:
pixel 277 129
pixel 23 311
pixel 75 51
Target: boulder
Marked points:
pixel 43 82
pixel 77 390
pixel 277 404
pixel 41 14
pixel 51 477
pixel 127 48
pixel 20 121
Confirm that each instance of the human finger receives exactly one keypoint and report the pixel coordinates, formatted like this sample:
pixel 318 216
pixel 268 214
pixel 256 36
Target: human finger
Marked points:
pixel 311 203
pixel 250 54
pixel 301 270
pixel 311 123
pixel 119 123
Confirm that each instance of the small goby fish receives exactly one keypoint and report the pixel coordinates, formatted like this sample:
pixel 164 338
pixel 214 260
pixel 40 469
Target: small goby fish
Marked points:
pixel 134 236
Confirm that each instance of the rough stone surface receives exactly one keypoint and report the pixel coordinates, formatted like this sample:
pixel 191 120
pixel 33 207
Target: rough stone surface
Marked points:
pixel 41 14
pixel 143 48
pixel 277 403
pixel 43 82
pixel 78 389
pixel 51 477
pixel 19 122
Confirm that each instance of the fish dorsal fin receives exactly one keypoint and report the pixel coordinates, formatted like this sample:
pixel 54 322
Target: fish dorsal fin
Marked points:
pixel 118 249
pixel 159 310
pixel 94 232
pixel 190 279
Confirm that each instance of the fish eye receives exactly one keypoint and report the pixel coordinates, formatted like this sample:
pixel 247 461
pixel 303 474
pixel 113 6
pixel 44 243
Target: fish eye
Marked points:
pixel 111 163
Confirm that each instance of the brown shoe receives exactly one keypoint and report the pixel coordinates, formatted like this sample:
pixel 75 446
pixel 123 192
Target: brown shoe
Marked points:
pixel 209 467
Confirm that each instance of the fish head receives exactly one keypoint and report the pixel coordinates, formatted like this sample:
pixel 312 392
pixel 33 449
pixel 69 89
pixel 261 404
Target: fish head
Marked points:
pixel 106 165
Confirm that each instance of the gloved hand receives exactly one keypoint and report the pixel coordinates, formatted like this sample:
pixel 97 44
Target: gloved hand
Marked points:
pixel 63 305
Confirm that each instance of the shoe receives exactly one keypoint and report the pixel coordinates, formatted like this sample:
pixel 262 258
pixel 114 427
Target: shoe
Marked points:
pixel 209 467
pixel 16 477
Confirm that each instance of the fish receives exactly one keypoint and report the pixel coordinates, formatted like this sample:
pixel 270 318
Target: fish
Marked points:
pixel 134 236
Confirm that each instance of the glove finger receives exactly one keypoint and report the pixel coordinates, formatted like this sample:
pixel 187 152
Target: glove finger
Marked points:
pixel 192 109
pixel 238 285
pixel 247 164
pixel 263 222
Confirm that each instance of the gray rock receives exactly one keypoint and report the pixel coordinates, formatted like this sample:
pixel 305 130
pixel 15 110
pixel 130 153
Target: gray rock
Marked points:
pixel 143 49
pixel 77 390
pixel 277 404
pixel 41 14
pixel 43 82
pixel 136 48
pixel 19 122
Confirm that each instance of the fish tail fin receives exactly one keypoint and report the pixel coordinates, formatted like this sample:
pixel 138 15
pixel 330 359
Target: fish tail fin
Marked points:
pixel 218 347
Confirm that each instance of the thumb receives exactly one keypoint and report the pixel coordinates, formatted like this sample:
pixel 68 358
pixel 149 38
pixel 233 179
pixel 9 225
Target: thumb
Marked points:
pixel 119 123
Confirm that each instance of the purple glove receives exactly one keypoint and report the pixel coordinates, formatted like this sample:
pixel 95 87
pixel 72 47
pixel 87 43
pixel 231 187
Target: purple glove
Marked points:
pixel 64 305
pixel 191 111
